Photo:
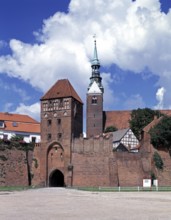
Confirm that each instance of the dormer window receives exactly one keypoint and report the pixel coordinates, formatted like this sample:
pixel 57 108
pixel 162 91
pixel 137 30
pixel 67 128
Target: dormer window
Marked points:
pixel 2 124
pixel 14 124
pixel 94 100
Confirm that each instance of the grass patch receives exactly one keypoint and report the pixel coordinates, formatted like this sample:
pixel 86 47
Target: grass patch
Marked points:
pixel 126 189
pixel 14 188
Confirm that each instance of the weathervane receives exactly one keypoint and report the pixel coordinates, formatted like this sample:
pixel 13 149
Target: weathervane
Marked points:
pixel 94 36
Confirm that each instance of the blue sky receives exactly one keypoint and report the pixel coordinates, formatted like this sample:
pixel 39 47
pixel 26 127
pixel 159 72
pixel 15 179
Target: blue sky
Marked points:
pixel 42 41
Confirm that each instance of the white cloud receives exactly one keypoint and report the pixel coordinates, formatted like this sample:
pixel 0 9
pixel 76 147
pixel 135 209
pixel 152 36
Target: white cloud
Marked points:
pixel 133 35
pixel 160 97
pixel 32 110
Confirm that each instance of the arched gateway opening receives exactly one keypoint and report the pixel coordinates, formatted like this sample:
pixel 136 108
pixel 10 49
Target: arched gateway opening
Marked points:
pixel 56 179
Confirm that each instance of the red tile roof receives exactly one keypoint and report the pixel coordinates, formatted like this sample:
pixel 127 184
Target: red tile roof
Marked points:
pixel 24 123
pixel 120 119
pixel 62 88
pixel 151 124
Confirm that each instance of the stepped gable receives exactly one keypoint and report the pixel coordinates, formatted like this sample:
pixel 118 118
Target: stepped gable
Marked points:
pixel 119 119
pixel 62 88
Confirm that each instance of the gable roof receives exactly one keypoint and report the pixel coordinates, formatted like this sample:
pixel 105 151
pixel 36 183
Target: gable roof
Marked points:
pixel 118 135
pixel 19 123
pixel 119 119
pixel 61 89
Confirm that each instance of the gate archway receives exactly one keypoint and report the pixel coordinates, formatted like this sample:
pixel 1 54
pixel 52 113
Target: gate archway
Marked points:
pixel 56 179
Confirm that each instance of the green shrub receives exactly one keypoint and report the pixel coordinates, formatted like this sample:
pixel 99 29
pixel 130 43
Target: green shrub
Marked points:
pixel 158 161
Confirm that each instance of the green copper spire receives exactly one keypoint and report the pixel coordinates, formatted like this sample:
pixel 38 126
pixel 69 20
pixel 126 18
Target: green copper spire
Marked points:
pixel 95 60
pixel 95 65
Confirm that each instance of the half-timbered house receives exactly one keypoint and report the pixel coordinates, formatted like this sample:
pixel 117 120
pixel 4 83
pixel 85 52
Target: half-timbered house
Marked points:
pixel 125 140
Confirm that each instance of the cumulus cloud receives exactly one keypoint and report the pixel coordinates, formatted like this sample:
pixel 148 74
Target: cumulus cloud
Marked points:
pixel 160 97
pixel 131 34
pixel 32 110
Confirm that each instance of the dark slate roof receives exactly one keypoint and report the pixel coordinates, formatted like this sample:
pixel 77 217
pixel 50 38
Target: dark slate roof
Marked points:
pixel 61 89
pixel 118 135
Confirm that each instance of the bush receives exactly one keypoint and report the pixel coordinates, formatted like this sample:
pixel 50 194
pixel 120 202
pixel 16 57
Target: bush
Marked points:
pixel 110 129
pixel 140 118
pixel 161 133
pixel 158 161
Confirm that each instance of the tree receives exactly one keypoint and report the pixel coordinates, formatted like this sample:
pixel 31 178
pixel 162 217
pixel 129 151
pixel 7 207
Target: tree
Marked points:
pixel 140 118
pixel 110 129
pixel 158 160
pixel 161 133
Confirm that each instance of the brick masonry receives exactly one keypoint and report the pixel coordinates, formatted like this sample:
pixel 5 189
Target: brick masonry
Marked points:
pixel 93 162
pixel 14 168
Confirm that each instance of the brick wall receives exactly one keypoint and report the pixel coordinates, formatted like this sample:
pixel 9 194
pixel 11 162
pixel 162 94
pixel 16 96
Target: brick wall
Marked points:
pixel 14 168
pixel 95 164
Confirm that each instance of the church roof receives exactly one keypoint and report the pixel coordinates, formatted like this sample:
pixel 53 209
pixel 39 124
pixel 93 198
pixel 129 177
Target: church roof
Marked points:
pixel 61 89
pixel 94 88
pixel 119 119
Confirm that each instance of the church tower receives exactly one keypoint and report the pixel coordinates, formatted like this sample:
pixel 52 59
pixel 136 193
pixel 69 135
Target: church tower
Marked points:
pixel 95 99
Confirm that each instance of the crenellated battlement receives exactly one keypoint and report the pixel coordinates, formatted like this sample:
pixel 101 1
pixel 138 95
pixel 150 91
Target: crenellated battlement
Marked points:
pixel 98 144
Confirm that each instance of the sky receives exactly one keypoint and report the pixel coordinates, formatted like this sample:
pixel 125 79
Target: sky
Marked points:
pixel 42 41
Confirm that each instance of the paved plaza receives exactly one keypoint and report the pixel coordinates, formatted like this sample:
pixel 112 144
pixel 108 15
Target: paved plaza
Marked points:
pixel 63 204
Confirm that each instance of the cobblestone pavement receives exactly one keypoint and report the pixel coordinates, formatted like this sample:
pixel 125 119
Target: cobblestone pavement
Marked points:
pixel 63 204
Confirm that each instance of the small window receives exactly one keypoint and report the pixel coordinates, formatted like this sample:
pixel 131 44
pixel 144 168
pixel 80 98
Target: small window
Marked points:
pixel 1 124
pixel 49 122
pixel 49 137
pixel 58 121
pixel 33 139
pixel 94 100
pixel 129 135
pixel 14 124
pixel 59 136
pixel 5 137
pixel 60 103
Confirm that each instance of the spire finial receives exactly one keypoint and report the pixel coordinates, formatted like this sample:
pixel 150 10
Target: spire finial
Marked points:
pixel 95 60
pixel 94 36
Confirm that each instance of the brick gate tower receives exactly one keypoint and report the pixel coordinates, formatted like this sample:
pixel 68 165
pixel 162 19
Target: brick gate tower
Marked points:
pixel 61 121
pixel 95 99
